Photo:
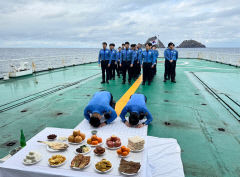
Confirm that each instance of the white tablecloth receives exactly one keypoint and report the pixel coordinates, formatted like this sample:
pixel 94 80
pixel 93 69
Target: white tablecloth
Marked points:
pixel 14 167
pixel 161 157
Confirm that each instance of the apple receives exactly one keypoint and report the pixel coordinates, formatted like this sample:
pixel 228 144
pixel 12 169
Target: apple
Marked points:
pixel 117 143
pixel 113 138
pixel 110 144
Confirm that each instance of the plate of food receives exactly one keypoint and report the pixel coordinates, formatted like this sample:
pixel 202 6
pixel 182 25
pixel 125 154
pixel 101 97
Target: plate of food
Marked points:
pixel 76 138
pixel 136 144
pixel 80 162
pixel 113 142
pixel 55 146
pixel 94 141
pixel 129 168
pixel 84 149
pixel 123 152
pixel 57 160
pixel 51 137
pixel 62 138
pixel 103 166
pixel 32 158
pixel 99 151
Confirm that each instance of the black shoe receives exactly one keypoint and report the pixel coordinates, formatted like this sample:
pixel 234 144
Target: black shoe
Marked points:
pixel 114 78
pixel 164 80
pixel 123 82
pixel 102 82
pixel 143 83
pixel 107 82
pixel 173 81
pixel 149 83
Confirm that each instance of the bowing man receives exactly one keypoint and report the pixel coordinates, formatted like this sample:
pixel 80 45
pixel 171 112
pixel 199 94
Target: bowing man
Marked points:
pixel 100 110
pixel 136 106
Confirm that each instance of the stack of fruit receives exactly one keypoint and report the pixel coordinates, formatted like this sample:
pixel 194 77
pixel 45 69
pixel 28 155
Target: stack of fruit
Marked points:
pixel 76 137
pixel 123 151
pixel 94 140
pixel 113 142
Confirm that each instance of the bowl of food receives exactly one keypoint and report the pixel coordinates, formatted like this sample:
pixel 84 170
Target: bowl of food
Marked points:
pixel 136 144
pixel 84 149
pixel 80 162
pixel 94 132
pixel 76 138
pixel 103 166
pixel 123 152
pixel 51 137
pixel 94 140
pixel 99 150
pixel 32 158
pixel 57 160
pixel 129 168
pixel 113 142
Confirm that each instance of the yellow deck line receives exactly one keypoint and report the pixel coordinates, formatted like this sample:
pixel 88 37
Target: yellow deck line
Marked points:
pixel 124 99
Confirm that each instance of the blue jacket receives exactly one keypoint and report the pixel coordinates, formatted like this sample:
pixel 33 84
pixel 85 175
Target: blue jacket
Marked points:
pixel 135 55
pixel 100 103
pixel 104 55
pixel 139 55
pixel 148 57
pixel 126 56
pixel 137 104
pixel 171 54
pixel 113 55
pixel 155 52
pixel 119 55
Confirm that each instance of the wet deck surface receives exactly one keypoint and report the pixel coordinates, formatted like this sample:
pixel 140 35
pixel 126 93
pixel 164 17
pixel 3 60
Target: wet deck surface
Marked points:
pixel 207 133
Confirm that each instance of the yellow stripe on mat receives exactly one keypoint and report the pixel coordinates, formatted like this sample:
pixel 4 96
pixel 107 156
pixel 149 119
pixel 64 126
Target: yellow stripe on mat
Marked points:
pixel 124 99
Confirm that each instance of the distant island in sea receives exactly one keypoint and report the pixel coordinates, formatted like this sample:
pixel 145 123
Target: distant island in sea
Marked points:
pixel 185 44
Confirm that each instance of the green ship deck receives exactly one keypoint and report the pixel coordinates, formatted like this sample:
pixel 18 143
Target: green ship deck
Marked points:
pixel 201 110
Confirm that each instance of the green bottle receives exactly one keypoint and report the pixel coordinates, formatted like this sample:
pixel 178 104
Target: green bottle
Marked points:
pixel 22 139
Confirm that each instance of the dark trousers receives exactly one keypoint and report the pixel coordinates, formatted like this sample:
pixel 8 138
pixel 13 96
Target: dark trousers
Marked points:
pixel 126 67
pixel 155 69
pixel 113 69
pixel 167 69
pixel 105 69
pixel 173 70
pixel 147 72
pixel 135 69
pixel 138 68
pixel 118 68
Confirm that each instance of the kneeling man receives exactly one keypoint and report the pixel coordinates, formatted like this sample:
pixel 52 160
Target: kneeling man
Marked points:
pixel 100 110
pixel 136 106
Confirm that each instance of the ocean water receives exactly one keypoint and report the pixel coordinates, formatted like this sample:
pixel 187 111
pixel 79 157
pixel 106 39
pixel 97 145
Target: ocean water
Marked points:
pixel 45 58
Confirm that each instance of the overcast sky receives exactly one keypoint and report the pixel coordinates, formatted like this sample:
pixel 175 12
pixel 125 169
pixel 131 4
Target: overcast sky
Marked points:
pixel 77 23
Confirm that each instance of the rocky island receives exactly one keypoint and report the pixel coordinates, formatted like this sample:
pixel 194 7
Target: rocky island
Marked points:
pixel 191 44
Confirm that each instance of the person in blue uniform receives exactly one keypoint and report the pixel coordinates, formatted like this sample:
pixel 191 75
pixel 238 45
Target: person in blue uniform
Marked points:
pixel 104 60
pixel 155 52
pixel 136 106
pixel 171 56
pixel 123 46
pixel 148 62
pixel 126 63
pixel 113 66
pixel 135 60
pixel 139 57
pixel 119 53
pixel 100 110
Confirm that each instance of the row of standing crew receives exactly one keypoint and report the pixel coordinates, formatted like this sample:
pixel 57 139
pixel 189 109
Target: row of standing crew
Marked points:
pixel 130 61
